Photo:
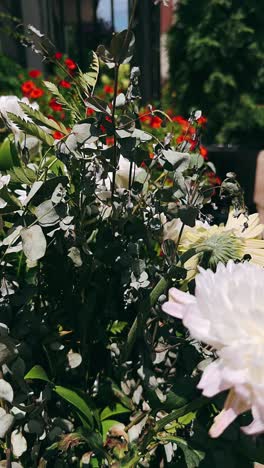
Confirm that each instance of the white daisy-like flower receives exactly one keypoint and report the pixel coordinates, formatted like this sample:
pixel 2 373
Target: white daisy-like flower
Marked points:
pixel 240 236
pixel 227 312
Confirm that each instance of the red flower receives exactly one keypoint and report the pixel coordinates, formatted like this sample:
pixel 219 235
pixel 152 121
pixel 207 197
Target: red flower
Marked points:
pixel 204 152
pixel 55 105
pixel 109 141
pixel 214 179
pixel 145 118
pixel 193 144
pixel 35 73
pixel 57 135
pixel 36 93
pixel 180 120
pixel 64 84
pixel 156 122
pixel 151 155
pixel 70 64
pixel 89 111
pixel 27 87
pixel 191 130
pixel 108 89
pixel 202 120
pixel 58 55
pixel 180 139
pixel 51 117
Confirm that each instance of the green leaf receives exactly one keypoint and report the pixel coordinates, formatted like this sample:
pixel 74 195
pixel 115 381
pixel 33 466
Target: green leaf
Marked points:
pixel 23 175
pixel 121 396
pixel 116 409
pixel 187 418
pixel 37 373
pixel 192 457
pixel 117 327
pixel 195 161
pixel 188 215
pixel 97 104
pixel 78 402
pixel 142 136
pixel 12 202
pixel 60 98
pixel 88 80
pixel 173 160
pixel 31 129
pixel 106 425
pixel 6 160
pixel 122 46
pixel 40 118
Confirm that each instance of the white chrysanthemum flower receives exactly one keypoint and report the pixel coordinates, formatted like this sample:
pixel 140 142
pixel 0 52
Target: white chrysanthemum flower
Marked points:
pixel 240 236
pixel 227 312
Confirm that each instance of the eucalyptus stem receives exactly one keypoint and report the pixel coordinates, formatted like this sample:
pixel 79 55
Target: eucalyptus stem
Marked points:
pixel 142 314
pixel 114 125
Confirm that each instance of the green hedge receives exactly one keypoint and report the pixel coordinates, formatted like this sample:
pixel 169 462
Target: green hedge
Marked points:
pixel 216 50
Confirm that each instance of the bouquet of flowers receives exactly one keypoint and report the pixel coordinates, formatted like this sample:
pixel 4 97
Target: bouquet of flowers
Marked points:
pixel 130 321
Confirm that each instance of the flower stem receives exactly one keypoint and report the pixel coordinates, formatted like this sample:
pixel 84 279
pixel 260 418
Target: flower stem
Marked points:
pixel 144 309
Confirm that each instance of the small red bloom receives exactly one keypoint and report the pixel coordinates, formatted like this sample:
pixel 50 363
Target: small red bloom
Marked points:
pixel 36 93
pixel 55 105
pixel 89 111
pixel 35 73
pixel 169 112
pixel 109 141
pixel 27 87
pixel 156 122
pixel 180 139
pixel 193 144
pixel 180 120
pixel 151 155
pixel 202 120
pixel 191 130
pixel 51 117
pixel 64 84
pixel 145 118
pixel 57 135
pixel 108 89
pixel 70 64
pixel 204 152
pixel 58 55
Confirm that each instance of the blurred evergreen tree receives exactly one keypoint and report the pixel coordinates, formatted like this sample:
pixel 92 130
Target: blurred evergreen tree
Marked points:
pixel 216 50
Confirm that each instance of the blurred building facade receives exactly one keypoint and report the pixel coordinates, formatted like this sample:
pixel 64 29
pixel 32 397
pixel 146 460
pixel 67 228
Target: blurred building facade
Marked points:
pixel 90 22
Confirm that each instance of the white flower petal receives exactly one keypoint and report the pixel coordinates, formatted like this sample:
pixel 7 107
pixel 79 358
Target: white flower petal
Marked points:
pixel 6 421
pixel 19 443
pixel 6 391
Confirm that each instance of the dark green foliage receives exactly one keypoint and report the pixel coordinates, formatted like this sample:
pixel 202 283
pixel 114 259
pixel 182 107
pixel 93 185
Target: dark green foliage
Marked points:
pixel 216 50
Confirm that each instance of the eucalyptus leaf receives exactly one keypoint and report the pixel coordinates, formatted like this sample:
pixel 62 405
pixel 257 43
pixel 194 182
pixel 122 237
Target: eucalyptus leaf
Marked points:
pixel 34 242
pixel 175 160
pixel 46 213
